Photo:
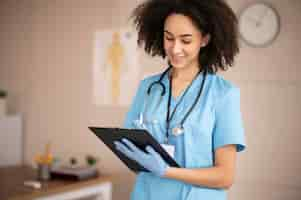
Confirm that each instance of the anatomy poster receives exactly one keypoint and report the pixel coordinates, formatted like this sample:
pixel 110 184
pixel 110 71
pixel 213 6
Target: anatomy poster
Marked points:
pixel 115 67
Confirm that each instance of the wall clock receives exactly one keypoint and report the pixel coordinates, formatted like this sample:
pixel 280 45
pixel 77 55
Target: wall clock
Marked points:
pixel 259 24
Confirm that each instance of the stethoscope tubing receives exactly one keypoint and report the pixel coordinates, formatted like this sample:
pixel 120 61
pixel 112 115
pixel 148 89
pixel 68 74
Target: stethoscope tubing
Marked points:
pixel 163 92
pixel 159 82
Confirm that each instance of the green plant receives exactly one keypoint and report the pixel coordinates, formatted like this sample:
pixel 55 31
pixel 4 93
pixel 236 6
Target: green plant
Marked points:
pixel 3 93
pixel 91 160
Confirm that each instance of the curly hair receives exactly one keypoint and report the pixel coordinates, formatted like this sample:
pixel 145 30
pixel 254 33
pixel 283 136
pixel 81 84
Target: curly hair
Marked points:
pixel 213 17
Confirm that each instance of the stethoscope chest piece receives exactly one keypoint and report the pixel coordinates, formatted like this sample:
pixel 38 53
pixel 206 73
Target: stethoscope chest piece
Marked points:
pixel 177 131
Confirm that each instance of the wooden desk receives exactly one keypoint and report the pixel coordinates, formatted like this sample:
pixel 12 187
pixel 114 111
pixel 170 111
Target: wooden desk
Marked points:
pixel 12 186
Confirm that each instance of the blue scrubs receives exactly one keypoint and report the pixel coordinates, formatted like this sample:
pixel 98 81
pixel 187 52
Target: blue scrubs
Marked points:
pixel 214 122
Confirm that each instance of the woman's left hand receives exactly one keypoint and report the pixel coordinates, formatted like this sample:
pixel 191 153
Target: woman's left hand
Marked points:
pixel 151 160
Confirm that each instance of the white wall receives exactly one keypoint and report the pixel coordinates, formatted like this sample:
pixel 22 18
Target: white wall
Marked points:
pixel 46 58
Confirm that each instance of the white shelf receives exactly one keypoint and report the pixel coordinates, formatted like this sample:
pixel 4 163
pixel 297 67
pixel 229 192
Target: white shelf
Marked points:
pixel 11 140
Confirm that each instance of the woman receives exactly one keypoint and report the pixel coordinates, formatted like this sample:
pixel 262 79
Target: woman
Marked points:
pixel 196 113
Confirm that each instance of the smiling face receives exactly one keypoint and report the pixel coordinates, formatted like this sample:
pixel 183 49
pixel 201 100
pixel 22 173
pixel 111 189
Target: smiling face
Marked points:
pixel 182 41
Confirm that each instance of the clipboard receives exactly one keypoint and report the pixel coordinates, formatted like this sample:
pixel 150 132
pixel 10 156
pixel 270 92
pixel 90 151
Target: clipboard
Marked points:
pixel 141 138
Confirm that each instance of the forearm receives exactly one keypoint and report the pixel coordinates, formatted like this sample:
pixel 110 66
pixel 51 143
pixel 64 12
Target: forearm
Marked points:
pixel 214 177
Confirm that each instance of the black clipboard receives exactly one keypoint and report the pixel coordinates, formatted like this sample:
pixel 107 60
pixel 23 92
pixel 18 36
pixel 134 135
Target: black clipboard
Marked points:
pixel 141 138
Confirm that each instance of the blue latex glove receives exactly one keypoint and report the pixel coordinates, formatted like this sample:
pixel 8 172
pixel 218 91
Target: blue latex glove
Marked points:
pixel 151 161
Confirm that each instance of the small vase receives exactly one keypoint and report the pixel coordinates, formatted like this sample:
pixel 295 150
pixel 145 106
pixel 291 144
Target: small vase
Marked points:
pixel 43 172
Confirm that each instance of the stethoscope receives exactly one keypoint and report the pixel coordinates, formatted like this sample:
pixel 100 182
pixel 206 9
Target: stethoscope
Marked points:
pixel 179 129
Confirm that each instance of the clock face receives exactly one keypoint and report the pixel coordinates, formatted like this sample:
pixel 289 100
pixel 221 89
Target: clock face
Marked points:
pixel 259 24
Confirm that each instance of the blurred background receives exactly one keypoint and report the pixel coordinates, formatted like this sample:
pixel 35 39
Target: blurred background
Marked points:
pixel 46 67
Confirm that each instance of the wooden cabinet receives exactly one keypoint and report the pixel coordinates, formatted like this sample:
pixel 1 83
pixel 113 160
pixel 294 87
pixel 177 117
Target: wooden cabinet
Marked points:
pixel 12 188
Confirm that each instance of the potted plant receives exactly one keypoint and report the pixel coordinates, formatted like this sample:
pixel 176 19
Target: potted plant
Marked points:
pixel 3 95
